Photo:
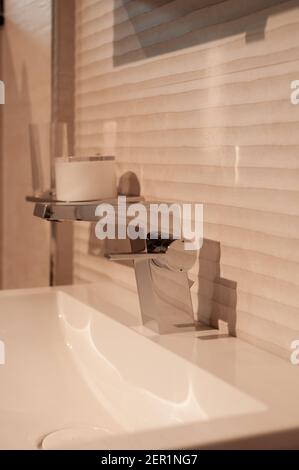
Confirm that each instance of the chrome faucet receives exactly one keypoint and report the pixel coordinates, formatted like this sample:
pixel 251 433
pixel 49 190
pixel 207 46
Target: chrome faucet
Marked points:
pixel 161 268
pixel 163 285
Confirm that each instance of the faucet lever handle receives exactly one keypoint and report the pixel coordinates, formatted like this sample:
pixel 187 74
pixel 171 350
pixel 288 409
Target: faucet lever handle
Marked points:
pixel 132 256
pixel 170 255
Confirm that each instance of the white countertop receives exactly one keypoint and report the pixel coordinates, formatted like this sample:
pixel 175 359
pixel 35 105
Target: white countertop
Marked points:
pixel 270 381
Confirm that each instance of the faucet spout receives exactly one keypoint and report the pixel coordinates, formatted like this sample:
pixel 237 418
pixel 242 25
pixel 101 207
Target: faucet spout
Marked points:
pixel 163 286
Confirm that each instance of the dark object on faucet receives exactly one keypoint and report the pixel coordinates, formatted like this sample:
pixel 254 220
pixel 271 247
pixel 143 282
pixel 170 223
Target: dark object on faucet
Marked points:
pixel 1 12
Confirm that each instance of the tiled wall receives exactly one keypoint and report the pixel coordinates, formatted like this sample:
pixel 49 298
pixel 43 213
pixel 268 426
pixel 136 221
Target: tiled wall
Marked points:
pixel 194 97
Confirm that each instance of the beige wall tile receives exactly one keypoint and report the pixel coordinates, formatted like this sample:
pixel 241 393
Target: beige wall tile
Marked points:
pixel 199 97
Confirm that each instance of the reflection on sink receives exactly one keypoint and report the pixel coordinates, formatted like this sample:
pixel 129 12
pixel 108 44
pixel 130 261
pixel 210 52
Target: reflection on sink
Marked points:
pixel 69 365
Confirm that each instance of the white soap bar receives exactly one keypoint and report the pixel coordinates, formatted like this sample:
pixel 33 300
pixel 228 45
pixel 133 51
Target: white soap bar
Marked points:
pixel 85 178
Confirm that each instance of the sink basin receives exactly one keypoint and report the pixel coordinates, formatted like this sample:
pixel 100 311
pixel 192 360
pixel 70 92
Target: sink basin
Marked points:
pixel 75 377
pixel 70 366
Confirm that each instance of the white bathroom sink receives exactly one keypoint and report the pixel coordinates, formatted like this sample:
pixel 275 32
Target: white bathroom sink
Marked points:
pixel 74 377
